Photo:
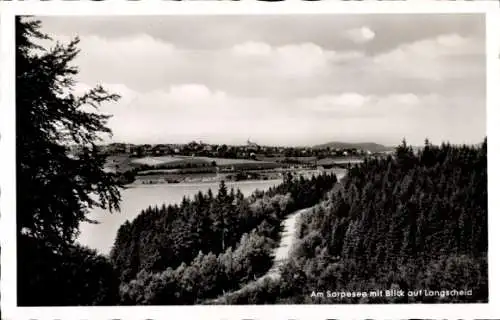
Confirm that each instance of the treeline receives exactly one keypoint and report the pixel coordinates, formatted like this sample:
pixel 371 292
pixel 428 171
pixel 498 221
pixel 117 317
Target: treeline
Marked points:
pixel 233 234
pixel 415 221
pixel 166 236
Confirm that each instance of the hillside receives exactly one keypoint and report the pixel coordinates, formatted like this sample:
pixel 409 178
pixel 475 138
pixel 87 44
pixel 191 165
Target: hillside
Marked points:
pixel 366 146
pixel 208 245
pixel 415 224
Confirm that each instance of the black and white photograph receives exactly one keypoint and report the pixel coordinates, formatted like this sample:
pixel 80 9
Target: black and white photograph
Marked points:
pixel 251 159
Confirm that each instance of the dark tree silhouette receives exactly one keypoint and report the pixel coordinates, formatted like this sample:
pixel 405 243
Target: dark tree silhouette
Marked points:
pixel 55 186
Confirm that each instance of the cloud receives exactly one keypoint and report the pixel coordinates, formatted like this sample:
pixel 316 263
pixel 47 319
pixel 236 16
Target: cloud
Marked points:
pixel 437 59
pixel 292 60
pixel 360 35
pixel 251 48
pixel 256 68
pixel 368 106
pixel 136 50
pixel 144 63
pixel 183 112
pixel 136 60
pixel 194 93
pixel 298 92
pixel 408 99
pixel 344 103
pixel 354 116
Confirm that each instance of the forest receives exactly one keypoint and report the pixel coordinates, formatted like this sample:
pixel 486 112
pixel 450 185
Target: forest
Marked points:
pixel 415 221
pixel 182 254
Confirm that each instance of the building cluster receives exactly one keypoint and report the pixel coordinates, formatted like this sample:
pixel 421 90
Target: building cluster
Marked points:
pixel 249 151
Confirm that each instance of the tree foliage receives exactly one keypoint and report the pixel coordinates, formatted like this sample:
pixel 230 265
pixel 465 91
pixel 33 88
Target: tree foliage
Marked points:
pixel 417 220
pixel 55 186
pixel 240 231
pixel 207 276
pixel 166 236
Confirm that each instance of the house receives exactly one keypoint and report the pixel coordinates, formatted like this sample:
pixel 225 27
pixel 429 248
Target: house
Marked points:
pixel 115 148
pixel 147 149
pixel 128 148
pixel 160 149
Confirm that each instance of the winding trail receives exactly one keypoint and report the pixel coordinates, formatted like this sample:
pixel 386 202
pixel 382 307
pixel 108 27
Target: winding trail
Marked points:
pixel 288 239
pixel 283 251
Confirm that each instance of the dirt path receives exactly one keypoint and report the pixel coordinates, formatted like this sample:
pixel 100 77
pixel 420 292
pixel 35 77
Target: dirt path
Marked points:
pixel 281 253
pixel 288 238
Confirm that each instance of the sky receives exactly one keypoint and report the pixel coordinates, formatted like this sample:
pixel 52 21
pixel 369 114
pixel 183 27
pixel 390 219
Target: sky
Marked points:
pixel 285 79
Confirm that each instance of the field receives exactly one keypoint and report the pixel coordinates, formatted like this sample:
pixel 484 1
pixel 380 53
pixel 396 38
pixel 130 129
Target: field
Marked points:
pixel 165 163
pixel 171 177
pixel 153 161
pixel 304 160
pixel 178 171
pixel 228 162
pixel 334 161
pixel 172 161
pixel 120 163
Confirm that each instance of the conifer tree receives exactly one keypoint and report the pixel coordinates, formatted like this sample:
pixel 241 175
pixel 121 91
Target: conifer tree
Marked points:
pixel 56 185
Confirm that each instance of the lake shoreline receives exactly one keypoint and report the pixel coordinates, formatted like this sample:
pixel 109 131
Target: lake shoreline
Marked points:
pixel 137 197
pixel 196 183
pixel 190 181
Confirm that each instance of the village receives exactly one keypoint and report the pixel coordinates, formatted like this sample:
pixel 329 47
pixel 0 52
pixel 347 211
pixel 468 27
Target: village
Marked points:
pixel 250 150
pixel 202 162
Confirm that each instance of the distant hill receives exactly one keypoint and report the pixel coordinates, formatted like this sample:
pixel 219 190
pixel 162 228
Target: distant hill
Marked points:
pixel 373 147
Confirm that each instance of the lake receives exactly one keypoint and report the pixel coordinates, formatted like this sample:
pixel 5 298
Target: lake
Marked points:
pixel 102 236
